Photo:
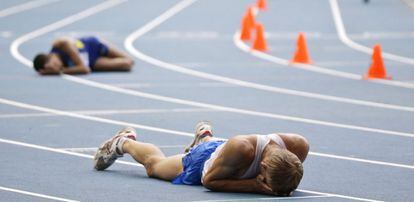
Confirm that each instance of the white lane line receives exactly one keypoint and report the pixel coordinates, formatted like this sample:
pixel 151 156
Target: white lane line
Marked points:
pixel 91 118
pixel 44 148
pixel 111 112
pixel 359 160
pixel 139 165
pixel 267 198
pixel 14 48
pixel 24 7
pixel 234 110
pixel 340 28
pixel 169 13
pixel 382 35
pixel 163 17
pixel 176 85
pixel 36 194
pixel 322 70
pixel 93 149
pixel 174 132
pixel 338 195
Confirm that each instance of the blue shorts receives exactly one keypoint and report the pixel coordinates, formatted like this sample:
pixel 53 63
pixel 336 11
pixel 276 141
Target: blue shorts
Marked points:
pixel 95 49
pixel 89 48
pixel 193 163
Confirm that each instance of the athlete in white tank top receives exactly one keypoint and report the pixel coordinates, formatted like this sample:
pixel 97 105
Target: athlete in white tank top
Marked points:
pixel 254 168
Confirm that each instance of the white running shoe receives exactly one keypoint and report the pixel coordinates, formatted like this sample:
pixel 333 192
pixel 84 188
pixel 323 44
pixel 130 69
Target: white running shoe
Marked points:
pixel 110 150
pixel 203 129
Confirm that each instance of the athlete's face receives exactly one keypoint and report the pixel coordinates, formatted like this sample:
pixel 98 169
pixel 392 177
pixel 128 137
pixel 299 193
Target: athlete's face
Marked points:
pixel 53 63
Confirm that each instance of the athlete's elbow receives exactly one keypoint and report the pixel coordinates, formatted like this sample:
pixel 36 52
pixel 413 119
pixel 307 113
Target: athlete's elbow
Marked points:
pixel 83 70
pixel 303 147
pixel 211 184
pixel 208 183
pixel 86 71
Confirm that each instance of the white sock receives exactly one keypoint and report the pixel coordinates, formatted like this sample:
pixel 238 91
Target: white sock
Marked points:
pixel 120 144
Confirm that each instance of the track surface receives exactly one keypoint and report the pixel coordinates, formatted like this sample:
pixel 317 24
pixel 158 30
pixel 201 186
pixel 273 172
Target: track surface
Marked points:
pixel 189 68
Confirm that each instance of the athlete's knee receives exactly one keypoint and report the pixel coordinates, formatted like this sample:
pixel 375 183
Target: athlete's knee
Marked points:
pixel 150 165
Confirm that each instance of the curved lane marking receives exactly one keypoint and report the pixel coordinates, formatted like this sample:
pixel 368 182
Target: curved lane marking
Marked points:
pixel 340 28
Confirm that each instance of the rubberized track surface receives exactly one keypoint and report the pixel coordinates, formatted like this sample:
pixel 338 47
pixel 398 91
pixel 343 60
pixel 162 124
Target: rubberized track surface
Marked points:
pixel 189 67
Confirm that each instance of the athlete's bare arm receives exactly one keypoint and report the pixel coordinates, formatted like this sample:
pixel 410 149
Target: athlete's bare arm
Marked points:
pixel 68 46
pixel 296 144
pixel 236 156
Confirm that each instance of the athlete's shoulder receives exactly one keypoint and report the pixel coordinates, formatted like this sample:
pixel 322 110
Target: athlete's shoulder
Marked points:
pixel 244 145
pixel 62 41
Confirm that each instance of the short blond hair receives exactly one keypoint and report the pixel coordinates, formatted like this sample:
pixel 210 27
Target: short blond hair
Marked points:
pixel 285 171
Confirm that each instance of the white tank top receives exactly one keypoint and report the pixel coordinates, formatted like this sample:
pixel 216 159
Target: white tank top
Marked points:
pixel 254 168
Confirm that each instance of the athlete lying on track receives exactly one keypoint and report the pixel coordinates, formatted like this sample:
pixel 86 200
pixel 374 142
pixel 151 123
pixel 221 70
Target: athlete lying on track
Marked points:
pixel 81 56
pixel 267 164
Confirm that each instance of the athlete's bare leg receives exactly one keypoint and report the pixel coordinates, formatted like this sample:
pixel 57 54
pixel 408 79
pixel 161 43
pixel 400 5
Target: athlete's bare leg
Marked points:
pixel 114 61
pixel 155 162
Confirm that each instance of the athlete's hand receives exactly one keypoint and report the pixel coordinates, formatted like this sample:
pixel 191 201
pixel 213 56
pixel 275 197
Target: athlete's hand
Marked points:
pixel 50 70
pixel 262 187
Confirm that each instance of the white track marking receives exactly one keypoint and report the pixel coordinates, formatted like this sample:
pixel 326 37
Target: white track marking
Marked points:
pixel 139 165
pixel 358 159
pixel 267 198
pixel 14 48
pixel 91 118
pixel 80 149
pixel 168 131
pixel 35 194
pixel 233 110
pixel 163 17
pixel 313 68
pixel 44 148
pixel 382 35
pixel 339 196
pixel 154 85
pixel 93 149
pixel 111 112
pixel 175 9
pixel 340 28
pixel 24 7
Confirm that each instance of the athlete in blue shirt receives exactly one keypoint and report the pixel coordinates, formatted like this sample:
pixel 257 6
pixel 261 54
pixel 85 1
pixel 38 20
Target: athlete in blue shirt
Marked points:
pixel 81 56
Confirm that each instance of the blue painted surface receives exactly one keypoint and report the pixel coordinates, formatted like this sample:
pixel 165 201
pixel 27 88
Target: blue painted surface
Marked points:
pixel 68 176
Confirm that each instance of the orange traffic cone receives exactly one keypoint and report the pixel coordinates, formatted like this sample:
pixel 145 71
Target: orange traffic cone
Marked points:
pixel 301 54
pixel 377 69
pixel 250 21
pixel 246 29
pixel 259 42
pixel 261 4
